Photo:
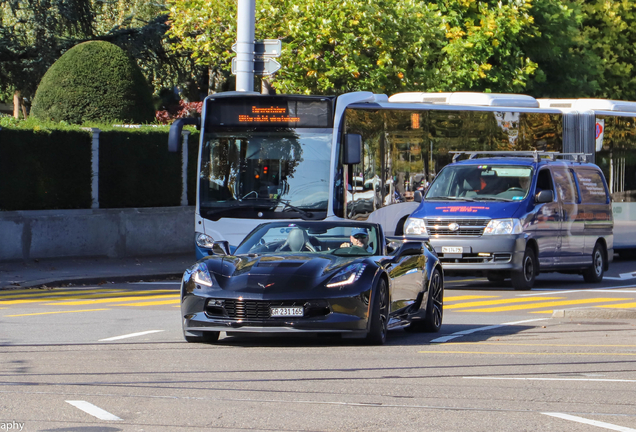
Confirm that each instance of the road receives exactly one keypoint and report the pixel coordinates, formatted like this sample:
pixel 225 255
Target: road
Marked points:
pixel 112 357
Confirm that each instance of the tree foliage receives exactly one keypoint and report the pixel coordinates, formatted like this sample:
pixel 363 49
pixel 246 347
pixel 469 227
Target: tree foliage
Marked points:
pixel 94 81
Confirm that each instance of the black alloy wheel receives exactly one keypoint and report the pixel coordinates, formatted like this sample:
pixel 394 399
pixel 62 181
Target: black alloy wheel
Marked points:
pixel 379 315
pixel 524 278
pixel 432 321
pixel 595 272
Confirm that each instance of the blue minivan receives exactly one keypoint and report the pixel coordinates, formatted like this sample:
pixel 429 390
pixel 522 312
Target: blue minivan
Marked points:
pixel 515 214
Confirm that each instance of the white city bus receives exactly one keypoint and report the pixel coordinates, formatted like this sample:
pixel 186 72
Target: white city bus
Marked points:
pixel 361 155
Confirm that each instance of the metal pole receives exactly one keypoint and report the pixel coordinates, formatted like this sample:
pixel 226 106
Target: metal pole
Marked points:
pixel 245 45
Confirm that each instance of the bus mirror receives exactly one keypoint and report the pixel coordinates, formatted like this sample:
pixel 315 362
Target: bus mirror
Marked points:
pixel 174 138
pixel 417 196
pixel 353 149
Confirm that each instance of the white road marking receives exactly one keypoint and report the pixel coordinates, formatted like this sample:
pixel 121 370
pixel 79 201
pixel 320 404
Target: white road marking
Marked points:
pixel 130 335
pixel 590 422
pixel 466 332
pixel 550 379
pixel 93 410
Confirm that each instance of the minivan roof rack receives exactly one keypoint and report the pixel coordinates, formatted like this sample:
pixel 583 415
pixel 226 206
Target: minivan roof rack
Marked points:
pixel 536 154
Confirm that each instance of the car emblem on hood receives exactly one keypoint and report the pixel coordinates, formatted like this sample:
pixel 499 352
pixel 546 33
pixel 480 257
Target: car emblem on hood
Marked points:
pixel 453 226
pixel 265 286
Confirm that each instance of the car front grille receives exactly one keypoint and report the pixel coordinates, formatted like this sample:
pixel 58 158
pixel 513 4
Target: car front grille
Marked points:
pixel 465 227
pixel 475 259
pixel 259 309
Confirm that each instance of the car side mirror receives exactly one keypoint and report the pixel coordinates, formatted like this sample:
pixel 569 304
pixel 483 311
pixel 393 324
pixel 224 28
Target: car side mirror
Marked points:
pixel 221 247
pixel 410 248
pixel 417 196
pixel 545 196
pixel 352 149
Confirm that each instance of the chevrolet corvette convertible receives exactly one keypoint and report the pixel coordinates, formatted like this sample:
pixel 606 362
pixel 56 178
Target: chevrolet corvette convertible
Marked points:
pixel 339 277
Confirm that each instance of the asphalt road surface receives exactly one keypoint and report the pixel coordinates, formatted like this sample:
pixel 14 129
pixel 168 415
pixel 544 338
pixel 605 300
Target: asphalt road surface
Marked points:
pixel 111 357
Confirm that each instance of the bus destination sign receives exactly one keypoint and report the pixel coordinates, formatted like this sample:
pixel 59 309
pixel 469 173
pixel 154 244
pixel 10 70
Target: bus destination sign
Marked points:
pixel 270 111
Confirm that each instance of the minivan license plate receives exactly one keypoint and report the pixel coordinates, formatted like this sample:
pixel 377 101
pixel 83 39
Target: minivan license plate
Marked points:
pixel 286 311
pixel 452 249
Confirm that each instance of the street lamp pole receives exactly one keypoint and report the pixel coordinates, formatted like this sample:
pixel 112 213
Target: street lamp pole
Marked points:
pixel 245 45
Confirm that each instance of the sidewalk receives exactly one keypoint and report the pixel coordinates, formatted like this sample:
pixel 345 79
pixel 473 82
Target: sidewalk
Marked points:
pixel 57 272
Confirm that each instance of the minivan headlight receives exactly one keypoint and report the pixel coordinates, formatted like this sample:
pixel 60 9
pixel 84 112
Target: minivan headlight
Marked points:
pixel 415 226
pixel 204 240
pixel 503 226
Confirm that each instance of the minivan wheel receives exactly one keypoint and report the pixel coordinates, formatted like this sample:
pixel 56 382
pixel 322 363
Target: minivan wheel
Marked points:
pixel 524 278
pixel 595 272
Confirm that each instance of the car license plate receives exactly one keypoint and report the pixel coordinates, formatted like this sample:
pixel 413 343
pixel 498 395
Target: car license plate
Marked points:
pixel 452 249
pixel 286 311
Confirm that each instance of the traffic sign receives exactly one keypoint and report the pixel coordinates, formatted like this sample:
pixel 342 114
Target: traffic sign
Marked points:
pixel 262 66
pixel 265 48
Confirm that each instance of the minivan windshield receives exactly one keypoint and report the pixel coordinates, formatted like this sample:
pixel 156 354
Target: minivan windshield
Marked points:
pixel 481 183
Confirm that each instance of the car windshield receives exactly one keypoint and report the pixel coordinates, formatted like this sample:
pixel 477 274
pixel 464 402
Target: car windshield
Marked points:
pixel 313 238
pixel 284 170
pixel 481 183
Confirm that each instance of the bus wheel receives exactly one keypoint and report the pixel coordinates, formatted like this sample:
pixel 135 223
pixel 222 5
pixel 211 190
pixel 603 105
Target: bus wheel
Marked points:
pixel 524 279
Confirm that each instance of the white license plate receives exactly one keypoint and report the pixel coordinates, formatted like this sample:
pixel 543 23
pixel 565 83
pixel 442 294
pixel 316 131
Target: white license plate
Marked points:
pixel 452 249
pixel 286 311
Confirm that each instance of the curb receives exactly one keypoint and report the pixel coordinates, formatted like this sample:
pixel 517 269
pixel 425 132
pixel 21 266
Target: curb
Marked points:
pixel 57 282
pixel 595 313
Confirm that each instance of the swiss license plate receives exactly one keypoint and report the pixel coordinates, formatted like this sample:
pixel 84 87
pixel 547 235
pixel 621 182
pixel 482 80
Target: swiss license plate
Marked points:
pixel 286 311
pixel 452 249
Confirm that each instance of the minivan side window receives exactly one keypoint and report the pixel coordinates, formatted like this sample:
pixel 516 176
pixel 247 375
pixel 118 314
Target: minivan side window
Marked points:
pixel 565 185
pixel 592 186
pixel 544 181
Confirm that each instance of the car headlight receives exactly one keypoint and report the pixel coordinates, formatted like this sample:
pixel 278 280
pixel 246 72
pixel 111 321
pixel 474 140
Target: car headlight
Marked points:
pixel 415 226
pixel 347 275
pixel 201 275
pixel 204 240
pixel 503 226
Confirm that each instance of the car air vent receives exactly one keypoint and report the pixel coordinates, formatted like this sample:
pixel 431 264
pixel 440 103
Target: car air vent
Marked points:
pixel 279 264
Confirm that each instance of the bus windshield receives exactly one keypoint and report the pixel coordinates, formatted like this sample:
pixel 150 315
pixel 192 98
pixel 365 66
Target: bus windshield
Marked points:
pixel 265 171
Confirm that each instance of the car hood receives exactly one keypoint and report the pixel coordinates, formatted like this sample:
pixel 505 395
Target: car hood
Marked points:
pixel 275 273
pixel 462 209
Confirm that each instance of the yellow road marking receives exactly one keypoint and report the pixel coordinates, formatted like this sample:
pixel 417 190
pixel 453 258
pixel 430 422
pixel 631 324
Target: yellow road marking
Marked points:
pixel 526 353
pixel 56 312
pixel 88 296
pixel 542 312
pixel 467 297
pixel 545 304
pixel 43 293
pixel 538 344
pixel 155 303
pixel 619 306
pixel 112 300
pixel 497 302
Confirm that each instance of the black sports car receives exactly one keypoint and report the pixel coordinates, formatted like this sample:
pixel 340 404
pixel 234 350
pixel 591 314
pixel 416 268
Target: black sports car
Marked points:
pixel 314 277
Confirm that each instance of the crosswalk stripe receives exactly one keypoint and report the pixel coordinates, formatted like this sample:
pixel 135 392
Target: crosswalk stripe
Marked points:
pixel 497 302
pixel 88 296
pixel 55 312
pixel 112 300
pixel 544 304
pixel 467 297
pixel 155 303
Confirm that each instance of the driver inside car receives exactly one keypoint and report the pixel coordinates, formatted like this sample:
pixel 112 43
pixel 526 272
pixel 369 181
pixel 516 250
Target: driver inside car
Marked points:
pixel 359 237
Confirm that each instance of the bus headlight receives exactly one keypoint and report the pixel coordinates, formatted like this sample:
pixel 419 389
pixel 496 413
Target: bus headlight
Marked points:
pixel 503 226
pixel 415 226
pixel 204 240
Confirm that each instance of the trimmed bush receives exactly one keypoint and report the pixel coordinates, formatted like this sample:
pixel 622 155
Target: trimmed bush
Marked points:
pixel 94 82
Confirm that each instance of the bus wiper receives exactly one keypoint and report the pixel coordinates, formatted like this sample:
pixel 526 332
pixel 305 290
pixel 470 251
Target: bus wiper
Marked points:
pixel 287 206
pixel 274 203
pixel 449 198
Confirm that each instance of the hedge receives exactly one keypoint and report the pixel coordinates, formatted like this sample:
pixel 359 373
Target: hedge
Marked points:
pixel 51 169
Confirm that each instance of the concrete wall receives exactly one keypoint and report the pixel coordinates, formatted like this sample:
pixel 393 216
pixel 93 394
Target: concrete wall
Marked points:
pixel 114 233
